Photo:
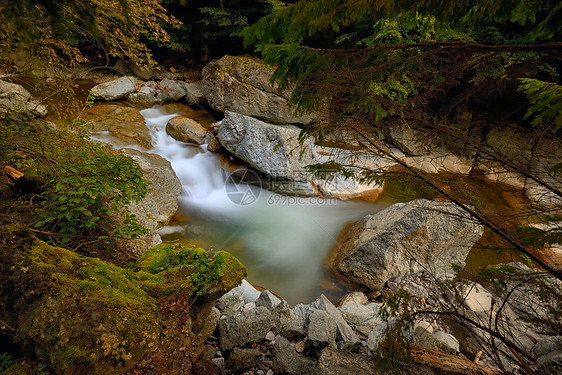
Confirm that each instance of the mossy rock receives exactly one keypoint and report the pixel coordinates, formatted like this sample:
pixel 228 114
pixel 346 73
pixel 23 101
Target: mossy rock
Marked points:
pixel 219 272
pixel 81 315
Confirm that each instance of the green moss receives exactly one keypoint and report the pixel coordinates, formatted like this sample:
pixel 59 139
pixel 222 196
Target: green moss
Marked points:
pixel 80 314
pixel 204 272
pixel 232 270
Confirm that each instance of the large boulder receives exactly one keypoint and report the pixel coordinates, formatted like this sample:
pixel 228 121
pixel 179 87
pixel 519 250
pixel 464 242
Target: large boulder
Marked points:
pixel 160 203
pixel 242 84
pixel 123 122
pixel 272 149
pixel 407 238
pixel 115 89
pixel 14 98
pixel 277 151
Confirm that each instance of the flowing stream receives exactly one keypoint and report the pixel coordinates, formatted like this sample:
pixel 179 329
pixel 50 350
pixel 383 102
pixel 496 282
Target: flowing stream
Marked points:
pixel 281 240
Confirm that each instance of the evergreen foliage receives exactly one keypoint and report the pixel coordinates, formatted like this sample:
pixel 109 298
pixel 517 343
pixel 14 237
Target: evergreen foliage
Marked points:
pixel 393 57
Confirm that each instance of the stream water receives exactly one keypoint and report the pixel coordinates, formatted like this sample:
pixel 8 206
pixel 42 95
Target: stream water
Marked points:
pixel 281 240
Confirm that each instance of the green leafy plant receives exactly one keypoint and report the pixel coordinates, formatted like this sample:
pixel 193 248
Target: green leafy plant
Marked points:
pixel 83 185
pixel 6 360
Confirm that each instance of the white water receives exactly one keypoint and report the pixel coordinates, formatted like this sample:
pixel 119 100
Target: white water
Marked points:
pixel 281 240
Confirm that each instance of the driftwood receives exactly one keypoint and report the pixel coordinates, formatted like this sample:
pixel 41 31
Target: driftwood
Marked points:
pixel 448 363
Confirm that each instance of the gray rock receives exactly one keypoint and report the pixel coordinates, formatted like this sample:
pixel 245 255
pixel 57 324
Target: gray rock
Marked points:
pixel 446 342
pixel 407 238
pixel 347 188
pixel 547 345
pixel 210 323
pixel 272 149
pixel 422 335
pixel 186 130
pixel 142 73
pixel 243 359
pixel 277 151
pixel 416 290
pixel 233 302
pixel 219 364
pixel 476 298
pixel 250 293
pixel 246 328
pixel 546 154
pixel 194 92
pixel 419 153
pixel 321 332
pixel 172 90
pixel 291 324
pixel 345 336
pixel 143 99
pixel 377 335
pixel 242 84
pixel 270 336
pixel 409 140
pixel 362 318
pixel 15 98
pixel 158 206
pixel 115 89
pixel 268 300
pixel 552 362
pixel 286 359
pixel 512 144
pixel 439 161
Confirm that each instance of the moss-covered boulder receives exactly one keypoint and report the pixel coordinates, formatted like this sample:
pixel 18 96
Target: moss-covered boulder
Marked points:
pixel 81 315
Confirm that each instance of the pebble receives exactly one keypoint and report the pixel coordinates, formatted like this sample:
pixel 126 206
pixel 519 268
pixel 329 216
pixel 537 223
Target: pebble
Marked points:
pixel 219 362
pixel 299 346
pixel 269 372
pixel 270 336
